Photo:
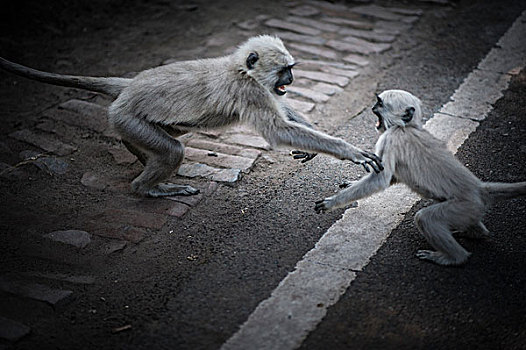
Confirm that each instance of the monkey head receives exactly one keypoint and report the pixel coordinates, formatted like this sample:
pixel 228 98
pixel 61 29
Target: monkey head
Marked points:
pixel 267 61
pixel 397 108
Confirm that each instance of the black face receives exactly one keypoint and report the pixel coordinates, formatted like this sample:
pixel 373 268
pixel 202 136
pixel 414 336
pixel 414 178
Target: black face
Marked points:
pixel 284 78
pixel 376 110
pixel 408 115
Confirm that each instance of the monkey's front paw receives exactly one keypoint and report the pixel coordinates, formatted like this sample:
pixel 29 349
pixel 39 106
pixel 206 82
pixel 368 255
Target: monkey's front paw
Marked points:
pixel 367 160
pixel 347 184
pixel 323 205
pixel 304 156
pixel 329 204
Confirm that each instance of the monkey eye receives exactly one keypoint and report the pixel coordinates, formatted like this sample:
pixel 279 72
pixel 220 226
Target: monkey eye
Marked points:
pixel 252 59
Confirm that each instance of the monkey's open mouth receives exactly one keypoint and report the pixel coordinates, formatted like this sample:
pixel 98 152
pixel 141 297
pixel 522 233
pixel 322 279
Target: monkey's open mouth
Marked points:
pixel 380 121
pixel 280 90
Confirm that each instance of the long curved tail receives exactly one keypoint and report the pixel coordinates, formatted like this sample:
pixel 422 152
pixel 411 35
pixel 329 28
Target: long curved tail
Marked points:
pixel 500 190
pixel 110 86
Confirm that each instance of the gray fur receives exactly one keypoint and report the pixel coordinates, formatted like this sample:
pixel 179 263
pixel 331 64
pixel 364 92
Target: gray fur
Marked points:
pixel 111 86
pixel 411 155
pixel 161 103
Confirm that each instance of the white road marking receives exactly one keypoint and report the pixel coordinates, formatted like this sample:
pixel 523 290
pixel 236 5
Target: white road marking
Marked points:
pixel 301 300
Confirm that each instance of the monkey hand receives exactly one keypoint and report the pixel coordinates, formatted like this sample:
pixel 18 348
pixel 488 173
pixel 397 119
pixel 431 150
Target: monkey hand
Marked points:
pixel 346 184
pixel 367 159
pixel 304 156
pixel 323 205
pixel 329 204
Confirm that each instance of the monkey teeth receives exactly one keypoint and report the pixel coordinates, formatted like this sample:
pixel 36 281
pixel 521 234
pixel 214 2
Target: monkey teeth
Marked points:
pixel 280 90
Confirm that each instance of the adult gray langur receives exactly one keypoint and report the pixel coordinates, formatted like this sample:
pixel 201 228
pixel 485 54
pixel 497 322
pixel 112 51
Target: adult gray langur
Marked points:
pixel 411 155
pixel 159 104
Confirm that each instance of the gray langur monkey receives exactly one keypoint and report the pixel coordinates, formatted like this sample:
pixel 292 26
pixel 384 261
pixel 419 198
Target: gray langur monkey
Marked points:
pixel 411 155
pixel 161 103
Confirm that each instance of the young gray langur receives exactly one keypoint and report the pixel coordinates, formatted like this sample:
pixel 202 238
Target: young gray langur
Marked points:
pixel 161 103
pixel 411 155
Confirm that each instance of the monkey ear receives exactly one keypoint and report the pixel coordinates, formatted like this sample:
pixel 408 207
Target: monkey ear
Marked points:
pixel 252 58
pixel 409 112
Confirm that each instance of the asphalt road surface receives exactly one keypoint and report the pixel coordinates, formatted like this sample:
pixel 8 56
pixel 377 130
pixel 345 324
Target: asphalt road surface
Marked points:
pixel 165 274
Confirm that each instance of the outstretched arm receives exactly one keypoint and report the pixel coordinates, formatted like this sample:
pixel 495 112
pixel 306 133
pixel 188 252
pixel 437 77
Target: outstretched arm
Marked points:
pixel 364 187
pixel 278 131
pixel 295 117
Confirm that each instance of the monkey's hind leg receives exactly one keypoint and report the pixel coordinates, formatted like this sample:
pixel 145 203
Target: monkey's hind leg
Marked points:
pixel 135 151
pixel 162 155
pixel 435 223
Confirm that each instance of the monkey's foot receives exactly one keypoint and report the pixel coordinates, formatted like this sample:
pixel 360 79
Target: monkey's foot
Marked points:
pixel 169 189
pixel 440 258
